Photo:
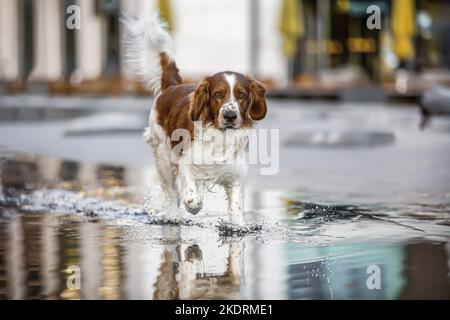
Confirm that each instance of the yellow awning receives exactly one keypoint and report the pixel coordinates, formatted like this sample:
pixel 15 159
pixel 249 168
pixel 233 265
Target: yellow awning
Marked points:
pixel 165 12
pixel 291 25
pixel 403 27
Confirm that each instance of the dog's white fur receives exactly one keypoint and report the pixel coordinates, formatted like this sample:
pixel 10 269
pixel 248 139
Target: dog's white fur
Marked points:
pixel 212 158
pixel 146 38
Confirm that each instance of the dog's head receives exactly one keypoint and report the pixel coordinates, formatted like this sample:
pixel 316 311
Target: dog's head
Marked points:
pixel 228 100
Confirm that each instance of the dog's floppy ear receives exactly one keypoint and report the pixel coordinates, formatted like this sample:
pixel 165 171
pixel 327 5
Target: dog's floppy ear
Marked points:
pixel 198 108
pixel 258 107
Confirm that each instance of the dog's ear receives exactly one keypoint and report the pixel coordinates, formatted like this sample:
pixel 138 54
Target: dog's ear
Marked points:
pixel 198 108
pixel 258 107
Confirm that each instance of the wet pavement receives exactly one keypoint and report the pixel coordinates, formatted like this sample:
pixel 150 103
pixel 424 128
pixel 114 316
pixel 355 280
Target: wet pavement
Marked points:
pixel 360 192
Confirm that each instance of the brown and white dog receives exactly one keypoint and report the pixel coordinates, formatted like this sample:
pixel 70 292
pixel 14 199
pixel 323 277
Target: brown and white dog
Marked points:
pixel 221 106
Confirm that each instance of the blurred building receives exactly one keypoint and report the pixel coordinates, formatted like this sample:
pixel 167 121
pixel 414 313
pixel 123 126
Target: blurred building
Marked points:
pixel 37 46
pixel 338 51
pixel 38 49
pixel 322 46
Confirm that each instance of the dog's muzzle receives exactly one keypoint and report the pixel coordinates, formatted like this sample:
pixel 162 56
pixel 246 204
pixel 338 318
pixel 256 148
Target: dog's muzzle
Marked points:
pixel 230 118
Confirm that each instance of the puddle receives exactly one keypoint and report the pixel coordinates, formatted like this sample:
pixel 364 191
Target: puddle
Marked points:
pixel 100 221
pixel 361 189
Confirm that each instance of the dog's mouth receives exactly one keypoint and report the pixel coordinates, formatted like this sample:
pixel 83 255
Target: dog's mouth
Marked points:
pixel 228 125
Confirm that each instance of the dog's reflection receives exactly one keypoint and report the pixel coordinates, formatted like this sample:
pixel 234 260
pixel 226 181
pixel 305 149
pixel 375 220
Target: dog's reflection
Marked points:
pixel 185 278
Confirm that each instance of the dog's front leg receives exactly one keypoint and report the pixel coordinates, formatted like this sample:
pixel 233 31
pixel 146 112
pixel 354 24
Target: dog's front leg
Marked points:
pixel 235 194
pixel 235 254
pixel 189 191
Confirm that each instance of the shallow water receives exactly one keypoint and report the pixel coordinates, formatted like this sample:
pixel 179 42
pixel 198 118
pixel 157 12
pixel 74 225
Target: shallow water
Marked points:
pixel 74 226
pixel 108 233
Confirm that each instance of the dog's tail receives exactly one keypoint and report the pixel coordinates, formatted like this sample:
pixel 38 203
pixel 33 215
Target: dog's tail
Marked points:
pixel 149 54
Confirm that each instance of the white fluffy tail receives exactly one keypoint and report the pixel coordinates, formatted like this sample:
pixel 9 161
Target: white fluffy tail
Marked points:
pixel 145 38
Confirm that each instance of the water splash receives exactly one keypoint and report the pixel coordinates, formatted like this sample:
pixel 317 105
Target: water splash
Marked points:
pixel 228 229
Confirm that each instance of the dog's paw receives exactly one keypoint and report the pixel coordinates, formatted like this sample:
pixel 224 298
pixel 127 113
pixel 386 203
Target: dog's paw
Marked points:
pixel 193 202
pixel 193 205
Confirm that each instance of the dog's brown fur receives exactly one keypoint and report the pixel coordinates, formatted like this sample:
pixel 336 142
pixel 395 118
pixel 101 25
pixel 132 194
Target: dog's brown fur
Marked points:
pixel 180 105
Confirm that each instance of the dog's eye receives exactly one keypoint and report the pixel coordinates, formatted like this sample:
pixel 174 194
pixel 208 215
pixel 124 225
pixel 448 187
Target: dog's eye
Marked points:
pixel 242 95
pixel 218 95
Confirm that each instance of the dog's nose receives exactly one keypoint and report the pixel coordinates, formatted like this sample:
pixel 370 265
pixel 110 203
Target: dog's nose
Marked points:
pixel 230 116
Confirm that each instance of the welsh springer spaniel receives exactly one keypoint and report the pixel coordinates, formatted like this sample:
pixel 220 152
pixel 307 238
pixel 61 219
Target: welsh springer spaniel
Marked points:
pixel 199 134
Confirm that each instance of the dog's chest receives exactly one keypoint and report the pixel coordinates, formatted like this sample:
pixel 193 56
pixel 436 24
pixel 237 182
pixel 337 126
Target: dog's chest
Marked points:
pixel 218 157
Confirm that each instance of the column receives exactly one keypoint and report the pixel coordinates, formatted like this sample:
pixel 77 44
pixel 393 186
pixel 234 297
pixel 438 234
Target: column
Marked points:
pixel 88 43
pixel 9 40
pixel 48 37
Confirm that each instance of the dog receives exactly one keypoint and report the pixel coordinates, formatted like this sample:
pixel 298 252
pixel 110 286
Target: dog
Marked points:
pixel 187 279
pixel 223 107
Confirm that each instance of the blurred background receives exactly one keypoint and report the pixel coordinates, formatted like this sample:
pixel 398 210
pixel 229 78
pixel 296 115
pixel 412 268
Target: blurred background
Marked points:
pixel 359 183
pixel 300 48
